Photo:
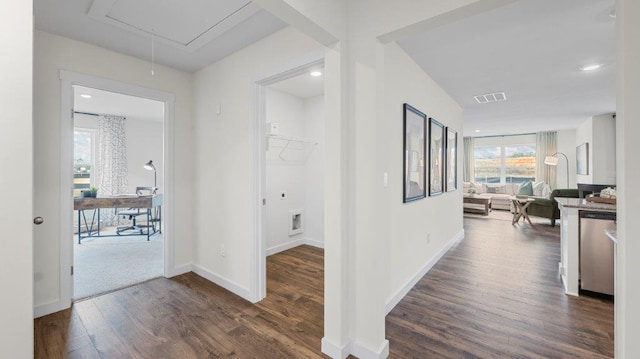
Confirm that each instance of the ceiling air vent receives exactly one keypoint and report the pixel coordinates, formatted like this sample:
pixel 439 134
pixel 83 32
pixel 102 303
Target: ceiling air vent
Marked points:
pixel 491 97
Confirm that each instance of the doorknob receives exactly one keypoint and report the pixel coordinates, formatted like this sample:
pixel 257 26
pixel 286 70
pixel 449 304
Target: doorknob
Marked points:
pixel 38 220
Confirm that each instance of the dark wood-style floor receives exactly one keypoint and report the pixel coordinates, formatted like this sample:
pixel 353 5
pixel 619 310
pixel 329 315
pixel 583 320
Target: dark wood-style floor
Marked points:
pixel 497 294
pixel 189 317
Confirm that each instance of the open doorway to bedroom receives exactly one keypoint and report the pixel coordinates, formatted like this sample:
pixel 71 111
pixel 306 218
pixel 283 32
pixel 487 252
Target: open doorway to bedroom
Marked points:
pixel 118 159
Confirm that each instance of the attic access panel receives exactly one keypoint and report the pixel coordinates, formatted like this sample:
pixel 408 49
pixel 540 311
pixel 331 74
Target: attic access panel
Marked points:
pixel 171 21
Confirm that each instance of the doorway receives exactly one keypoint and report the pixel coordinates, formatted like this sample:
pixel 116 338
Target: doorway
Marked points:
pixel 68 81
pixel 118 148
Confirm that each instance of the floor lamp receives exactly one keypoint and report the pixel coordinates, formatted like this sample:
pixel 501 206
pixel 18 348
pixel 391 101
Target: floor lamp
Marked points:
pixel 149 166
pixel 553 161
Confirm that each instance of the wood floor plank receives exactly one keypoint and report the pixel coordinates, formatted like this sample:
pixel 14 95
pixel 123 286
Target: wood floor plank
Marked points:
pixel 496 294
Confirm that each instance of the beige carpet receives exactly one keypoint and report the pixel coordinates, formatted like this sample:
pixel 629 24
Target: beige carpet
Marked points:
pixel 105 264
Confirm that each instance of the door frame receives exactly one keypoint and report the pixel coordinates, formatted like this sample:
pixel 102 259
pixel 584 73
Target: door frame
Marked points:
pixel 68 79
pixel 258 281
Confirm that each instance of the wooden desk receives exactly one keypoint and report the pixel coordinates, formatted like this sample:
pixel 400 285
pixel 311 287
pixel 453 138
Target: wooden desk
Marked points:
pixel 82 204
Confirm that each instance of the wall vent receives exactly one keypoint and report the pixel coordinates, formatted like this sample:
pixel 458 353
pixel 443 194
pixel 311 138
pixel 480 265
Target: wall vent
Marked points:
pixel 491 97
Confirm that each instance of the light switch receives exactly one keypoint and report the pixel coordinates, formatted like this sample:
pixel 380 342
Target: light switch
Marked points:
pixel 385 179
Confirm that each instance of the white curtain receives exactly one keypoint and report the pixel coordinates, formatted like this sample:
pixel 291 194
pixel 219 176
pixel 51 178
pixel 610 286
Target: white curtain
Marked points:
pixel 546 145
pixel 469 169
pixel 112 160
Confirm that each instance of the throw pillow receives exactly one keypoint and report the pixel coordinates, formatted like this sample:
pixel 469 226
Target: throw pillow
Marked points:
pixel 537 188
pixel 546 191
pixel 491 189
pixel 526 189
pixel 501 189
pixel 479 187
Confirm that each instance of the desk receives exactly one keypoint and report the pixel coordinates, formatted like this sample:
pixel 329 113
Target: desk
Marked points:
pixel 149 202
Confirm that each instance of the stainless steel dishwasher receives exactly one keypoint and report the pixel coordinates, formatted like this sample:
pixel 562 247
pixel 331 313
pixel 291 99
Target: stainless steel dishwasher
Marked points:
pixel 596 251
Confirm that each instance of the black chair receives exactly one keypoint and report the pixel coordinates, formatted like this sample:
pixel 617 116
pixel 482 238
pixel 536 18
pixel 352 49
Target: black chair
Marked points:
pixel 133 213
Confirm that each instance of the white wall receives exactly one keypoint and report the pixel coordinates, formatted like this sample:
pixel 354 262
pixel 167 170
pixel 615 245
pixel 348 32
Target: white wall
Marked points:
pixel 314 129
pixel 567 145
pixel 144 142
pixel 599 133
pixel 284 176
pixel 16 256
pixel 52 53
pixel 225 153
pixel 627 285
pixel 439 217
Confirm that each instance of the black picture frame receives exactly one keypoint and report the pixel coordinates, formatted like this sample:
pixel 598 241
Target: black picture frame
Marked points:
pixel 414 149
pixel 436 157
pixel 451 160
pixel 582 159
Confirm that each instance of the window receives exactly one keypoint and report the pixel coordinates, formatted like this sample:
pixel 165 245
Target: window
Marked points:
pixel 506 161
pixel 83 141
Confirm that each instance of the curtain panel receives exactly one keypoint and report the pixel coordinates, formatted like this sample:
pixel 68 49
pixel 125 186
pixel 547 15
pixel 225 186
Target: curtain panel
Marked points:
pixel 469 170
pixel 112 160
pixel 546 145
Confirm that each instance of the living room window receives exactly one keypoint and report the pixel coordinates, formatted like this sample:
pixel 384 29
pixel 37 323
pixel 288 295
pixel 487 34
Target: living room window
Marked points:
pixel 507 159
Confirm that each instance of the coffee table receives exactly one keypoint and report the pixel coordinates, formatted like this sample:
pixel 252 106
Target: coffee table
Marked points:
pixel 477 199
pixel 520 204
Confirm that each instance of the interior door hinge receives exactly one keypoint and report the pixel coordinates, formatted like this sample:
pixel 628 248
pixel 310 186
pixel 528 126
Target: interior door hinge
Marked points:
pixel 71 270
pixel 264 201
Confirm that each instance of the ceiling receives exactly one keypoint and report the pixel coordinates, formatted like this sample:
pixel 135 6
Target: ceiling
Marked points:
pixel 532 50
pixel 105 102
pixel 184 37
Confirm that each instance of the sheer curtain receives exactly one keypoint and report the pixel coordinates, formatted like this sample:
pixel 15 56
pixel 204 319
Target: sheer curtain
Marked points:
pixel 546 145
pixel 112 159
pixel 469 170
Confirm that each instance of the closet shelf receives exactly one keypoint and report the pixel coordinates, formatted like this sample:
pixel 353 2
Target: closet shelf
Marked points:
pixel 292 149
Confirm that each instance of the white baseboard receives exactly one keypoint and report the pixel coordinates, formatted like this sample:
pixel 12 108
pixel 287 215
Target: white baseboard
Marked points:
pixel 314 243
pixel 421 273
pixel 285 246
pixel 298 242
pixel 185 268
pixel 48 308
pixel 335 351
pixel 224 283
pixel 363 352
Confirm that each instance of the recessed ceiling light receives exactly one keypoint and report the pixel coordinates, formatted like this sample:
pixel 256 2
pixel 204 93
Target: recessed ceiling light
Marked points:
pixel 477 131
pixel 316 73
pixel 85 96
pixel 591 67
pixel 612 14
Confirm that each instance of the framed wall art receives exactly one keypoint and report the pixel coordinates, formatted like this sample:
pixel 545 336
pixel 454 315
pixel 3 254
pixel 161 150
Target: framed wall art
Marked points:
pixel 582 159
pixel 436 157
pixel 415 133
pixel 451 169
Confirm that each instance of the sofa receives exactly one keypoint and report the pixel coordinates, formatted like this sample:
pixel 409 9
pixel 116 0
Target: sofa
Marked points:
pixel 500 194
pixel 548 207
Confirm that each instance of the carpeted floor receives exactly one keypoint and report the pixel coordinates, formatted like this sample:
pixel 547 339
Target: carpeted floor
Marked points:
pixel 108 263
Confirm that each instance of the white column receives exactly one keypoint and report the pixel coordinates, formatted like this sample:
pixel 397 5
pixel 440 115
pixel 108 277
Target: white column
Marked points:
pixel 627 290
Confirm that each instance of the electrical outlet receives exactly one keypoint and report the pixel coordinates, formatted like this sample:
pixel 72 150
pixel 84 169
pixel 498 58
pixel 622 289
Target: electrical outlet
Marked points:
pixel 223 250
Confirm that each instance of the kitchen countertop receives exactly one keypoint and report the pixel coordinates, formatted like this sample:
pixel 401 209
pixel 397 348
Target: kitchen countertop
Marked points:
pixel 582 204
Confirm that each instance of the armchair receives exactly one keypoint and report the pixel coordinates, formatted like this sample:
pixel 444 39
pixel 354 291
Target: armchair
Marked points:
pixel 548 207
